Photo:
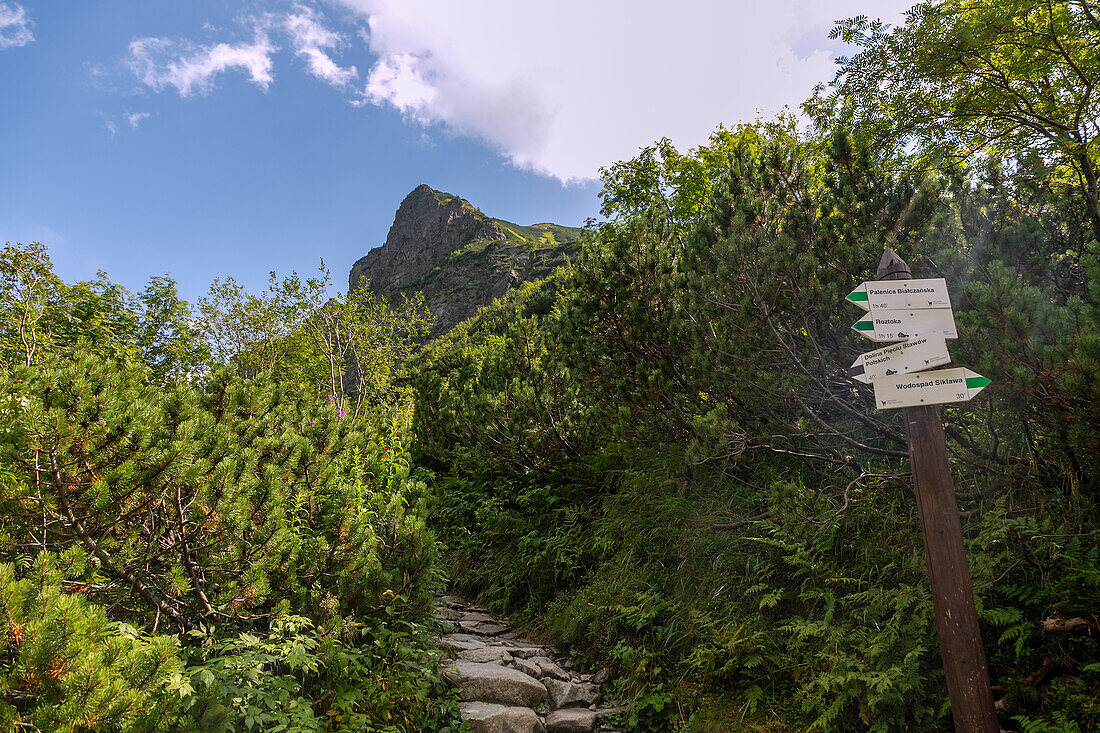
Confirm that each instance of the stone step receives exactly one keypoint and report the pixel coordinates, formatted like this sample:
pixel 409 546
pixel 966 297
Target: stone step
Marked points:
pixel 487 717
pixel 571 720
pixel 511 684
pixel 571 694
pixel 488 682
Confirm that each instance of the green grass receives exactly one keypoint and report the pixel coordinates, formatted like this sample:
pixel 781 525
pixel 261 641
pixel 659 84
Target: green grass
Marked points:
pixel 541 236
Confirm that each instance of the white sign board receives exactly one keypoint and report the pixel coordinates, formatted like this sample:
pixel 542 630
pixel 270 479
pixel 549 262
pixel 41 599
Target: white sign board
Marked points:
pixel 901 295
pixel 902 325
pixel 927 388
pixel 924 352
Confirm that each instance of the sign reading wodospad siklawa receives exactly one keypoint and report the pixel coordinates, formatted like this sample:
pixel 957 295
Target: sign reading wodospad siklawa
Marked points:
pixel 927 388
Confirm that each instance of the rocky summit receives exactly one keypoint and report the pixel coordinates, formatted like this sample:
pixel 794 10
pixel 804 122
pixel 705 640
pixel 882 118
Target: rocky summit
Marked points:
pixel 458 257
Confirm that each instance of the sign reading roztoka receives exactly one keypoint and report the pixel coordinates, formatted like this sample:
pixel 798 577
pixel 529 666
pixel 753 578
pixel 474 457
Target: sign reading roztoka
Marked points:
pixel 901 294
pixel 920 353
pixel 927 388
pixel 890 325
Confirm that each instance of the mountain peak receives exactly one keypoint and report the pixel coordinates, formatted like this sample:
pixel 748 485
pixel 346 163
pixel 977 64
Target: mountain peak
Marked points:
pixel 461 259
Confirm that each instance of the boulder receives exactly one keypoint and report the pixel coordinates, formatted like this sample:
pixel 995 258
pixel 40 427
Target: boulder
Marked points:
pixel 570 694
pixel 495 654
pixel 485 628
pixel 525 651
pixel 487 682
pixel 571 720
pixel 528 668
pixel 487 717
pixel 458 645
pixel 550 669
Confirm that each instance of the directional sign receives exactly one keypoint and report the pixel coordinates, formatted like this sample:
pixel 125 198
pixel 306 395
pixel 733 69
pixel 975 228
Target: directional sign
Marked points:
pixel 901 295
pixel 902 325
pixel 927 388
pixel 914 355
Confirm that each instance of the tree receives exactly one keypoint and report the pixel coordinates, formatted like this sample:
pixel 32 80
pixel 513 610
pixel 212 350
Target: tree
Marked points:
pixel 344 347
pixel 40 315
pixel 28 287
pixel 1018 79
pixel 201 502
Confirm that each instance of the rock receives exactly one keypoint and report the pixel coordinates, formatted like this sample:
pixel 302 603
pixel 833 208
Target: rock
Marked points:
pixel 571 720
pixel 461 642
pixel 490 629
pixel 477 618
pixel 570 694
pixel 550 669
pixel 526 667
pixel 487 654
pixel 457 256
pixel 601 677
pixel 485 717
pixel 486 682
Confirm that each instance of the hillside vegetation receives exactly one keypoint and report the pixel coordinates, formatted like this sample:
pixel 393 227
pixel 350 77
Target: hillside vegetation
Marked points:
pixel 190 542
pixel 657 455
pixel 652 455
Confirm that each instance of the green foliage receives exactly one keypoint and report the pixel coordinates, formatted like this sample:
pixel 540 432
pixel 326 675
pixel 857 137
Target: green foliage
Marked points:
pixel 66 667
pixel 344 347
pixel 277 532
pixel 297 678
pixel 204 501
pixel 1016 78
pixel 667 461
pixel 41 315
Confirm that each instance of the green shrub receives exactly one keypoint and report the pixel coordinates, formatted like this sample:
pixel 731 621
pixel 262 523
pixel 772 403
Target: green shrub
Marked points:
pixel 65 667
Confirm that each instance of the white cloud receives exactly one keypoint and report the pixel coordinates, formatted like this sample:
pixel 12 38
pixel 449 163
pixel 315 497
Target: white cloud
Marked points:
pixel 15 26
pixel 312 41
pixel 395 80
pixel 161 63
pixel 566 87
pixel 135 118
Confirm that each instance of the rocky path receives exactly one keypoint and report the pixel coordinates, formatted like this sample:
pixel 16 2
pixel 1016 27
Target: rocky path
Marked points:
pixel 513 685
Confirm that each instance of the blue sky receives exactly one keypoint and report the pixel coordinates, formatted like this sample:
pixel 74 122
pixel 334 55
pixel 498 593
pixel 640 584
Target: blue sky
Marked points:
pixel 234 137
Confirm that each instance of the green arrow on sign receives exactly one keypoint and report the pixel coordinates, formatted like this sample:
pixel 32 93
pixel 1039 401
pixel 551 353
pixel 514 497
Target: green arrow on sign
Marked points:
pixel 901 294
pixel 902 325
pixel 928 388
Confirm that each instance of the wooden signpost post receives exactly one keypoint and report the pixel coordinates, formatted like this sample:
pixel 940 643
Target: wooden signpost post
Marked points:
pixel 952 592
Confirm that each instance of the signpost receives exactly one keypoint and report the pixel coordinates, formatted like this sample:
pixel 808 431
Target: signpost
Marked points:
pixel 952 592
pixel 901 295
pixel 912 356
pixel 897 325
pixel 927 388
